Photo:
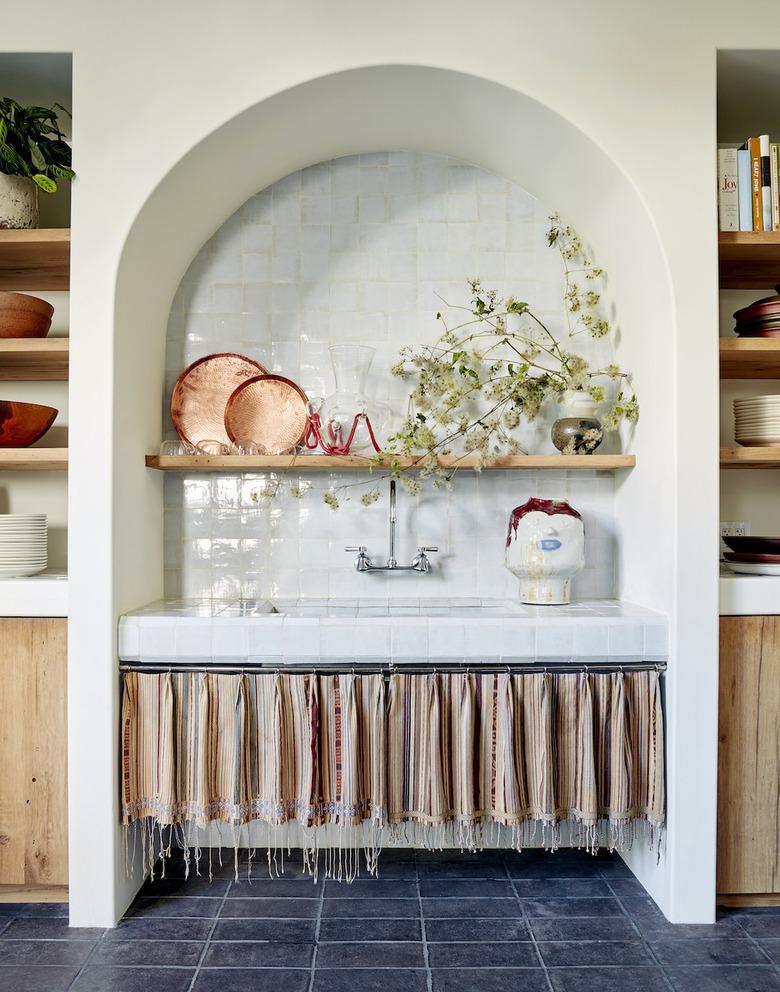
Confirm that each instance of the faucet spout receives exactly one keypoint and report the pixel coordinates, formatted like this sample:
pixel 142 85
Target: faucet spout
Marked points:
pixel 392 561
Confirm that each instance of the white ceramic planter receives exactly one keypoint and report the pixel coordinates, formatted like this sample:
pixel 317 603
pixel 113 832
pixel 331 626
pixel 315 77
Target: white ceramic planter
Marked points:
pixel 545 548
pixel 18 202
pixel 578 403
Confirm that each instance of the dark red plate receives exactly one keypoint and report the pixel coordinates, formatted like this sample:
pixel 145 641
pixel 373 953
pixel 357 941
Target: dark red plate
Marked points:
pixel 754 545
pixel 754 559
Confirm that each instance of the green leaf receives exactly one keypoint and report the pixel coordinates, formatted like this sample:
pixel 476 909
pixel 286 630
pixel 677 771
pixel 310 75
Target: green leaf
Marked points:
pixel 46 184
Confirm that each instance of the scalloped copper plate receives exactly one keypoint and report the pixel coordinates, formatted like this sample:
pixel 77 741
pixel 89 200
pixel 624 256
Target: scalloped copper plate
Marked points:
pixel 201 393
pixel 271 411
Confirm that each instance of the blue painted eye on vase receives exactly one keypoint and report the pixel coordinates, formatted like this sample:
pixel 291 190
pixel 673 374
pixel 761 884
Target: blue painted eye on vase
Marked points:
pixel 548 544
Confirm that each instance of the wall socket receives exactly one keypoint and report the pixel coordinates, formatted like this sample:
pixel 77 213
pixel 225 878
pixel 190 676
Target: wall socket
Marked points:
pixel 734 528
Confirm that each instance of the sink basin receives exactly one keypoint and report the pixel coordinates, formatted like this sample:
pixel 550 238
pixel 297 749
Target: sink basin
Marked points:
pixel 306 631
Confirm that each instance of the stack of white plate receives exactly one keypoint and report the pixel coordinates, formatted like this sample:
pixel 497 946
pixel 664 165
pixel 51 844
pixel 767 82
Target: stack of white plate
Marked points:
pixel 757 421
pixel 23 544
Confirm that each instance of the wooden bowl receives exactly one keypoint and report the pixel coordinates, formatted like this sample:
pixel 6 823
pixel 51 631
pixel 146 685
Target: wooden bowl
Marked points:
pixel 23 316
pixel 21 424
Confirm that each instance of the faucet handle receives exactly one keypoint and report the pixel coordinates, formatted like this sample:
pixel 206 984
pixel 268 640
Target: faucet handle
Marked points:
pixel 360 549
pixel 423 550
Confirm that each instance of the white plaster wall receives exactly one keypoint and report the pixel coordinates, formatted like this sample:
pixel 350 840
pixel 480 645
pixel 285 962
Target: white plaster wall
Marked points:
pixel 366 249
pixel 638 79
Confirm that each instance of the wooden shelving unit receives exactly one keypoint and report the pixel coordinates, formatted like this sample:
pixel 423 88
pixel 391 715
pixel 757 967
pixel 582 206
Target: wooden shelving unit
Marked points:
pixel 331 463
pixel 36 259
pixel 29 359
pixel 750 457
pixel 33 459
pixel 749 259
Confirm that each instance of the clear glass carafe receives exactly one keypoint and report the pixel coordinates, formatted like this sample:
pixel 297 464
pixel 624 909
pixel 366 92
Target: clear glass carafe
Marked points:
pixel 351 364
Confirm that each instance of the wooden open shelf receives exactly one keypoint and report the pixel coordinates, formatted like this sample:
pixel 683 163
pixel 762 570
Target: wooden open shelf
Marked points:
pixel 331 463
pixel 33 459
pixel 749 259
pixel 28 359
pixel 37 259
pixel 749 457
pixel 750 358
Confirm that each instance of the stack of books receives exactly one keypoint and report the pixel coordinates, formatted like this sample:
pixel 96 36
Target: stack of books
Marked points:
pixel 749 186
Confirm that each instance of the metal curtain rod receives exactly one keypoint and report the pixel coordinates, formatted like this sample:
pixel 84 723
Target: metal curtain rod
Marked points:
pixel 570 668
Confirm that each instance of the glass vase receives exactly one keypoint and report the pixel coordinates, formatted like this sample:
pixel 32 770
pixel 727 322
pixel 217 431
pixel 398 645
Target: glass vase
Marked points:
pixel 351 365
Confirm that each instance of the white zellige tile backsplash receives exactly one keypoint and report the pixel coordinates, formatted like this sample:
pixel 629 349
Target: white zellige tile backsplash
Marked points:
pixel 361 249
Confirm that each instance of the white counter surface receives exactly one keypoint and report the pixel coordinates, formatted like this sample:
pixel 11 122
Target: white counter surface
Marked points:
pixel 749 595
pixel 44 595
pixel 305 631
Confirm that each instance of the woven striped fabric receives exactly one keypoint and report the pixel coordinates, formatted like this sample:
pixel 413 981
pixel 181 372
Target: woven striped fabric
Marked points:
pixel 430 758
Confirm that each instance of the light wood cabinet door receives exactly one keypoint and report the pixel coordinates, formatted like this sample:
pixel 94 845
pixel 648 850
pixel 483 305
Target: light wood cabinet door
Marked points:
pixel 33 752
pixel 749 756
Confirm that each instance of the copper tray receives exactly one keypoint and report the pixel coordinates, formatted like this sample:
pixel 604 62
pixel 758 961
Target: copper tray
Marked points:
pixel 202 391
pixel 269 410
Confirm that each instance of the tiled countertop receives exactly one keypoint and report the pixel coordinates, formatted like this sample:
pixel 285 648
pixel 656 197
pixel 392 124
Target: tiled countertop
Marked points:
pixel 404 630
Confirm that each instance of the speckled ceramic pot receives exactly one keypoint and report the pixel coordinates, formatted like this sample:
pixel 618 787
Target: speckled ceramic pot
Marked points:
pixel 545 548
pixel 18 202
pixel 577 435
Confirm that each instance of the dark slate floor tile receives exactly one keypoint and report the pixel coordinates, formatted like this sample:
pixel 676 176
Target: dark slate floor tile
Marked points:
pixel 106 978
pixel 378 929
pixel 608 980
pixel 771 947
pixel 305 909
pixel 553 869
pixel 584 928
pixel 759 925
pixel 706 950
pixel 286 931
pixel 32 929
pixel 258 954
pixel 483 954
pixel 490 980
pixel 657 927
pixel 553 888
pixel 572 907
pixel 195 906
pixel 40 952
pixel 399 855
pixel 37 979
pixel 483 888
pixel 370 888
pixel 4 922
pixel 141 928
pixel 615 868
pixel 467 869
pixel 626 887
pixel 184 953
pixel 725 978
pixel 394 954
pixel 252 980
pixel 275 888
pixel 12 908
pixel 456 857
pixel 45 910
pixel 448 930
pixel 641 907
pixel 403 871
pixel 582 953
pixel 193 886
pixel 388 980
pixel 470 908
pixel 371 908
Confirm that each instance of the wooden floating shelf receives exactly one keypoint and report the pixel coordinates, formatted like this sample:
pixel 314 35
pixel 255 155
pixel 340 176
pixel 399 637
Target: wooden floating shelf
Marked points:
pixel 333 463
pixel 33 459
pixel 749 259
pixel 749 457
pixel 34 359
pixel 37 259
pixel 750 358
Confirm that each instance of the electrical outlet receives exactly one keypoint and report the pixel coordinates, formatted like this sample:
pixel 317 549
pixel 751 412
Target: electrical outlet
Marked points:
pixel 734 528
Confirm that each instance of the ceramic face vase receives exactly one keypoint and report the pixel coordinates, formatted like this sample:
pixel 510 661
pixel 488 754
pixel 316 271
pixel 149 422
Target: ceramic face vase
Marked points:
pixel 545 548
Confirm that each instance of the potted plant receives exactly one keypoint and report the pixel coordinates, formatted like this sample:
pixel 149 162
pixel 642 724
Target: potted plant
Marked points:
pixel 33 155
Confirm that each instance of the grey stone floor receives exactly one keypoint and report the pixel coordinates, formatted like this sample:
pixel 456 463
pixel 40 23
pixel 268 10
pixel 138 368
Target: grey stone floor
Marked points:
pixel 432 922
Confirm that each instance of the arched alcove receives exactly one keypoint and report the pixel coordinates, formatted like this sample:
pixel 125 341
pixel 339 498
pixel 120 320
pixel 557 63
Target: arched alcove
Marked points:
pixel 371 110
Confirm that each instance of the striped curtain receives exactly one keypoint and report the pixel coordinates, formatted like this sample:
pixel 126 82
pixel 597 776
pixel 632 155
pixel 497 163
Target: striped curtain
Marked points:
pixel 434 759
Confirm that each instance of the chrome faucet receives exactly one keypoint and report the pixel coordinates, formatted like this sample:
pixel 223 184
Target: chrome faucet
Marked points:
pixel 420 562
